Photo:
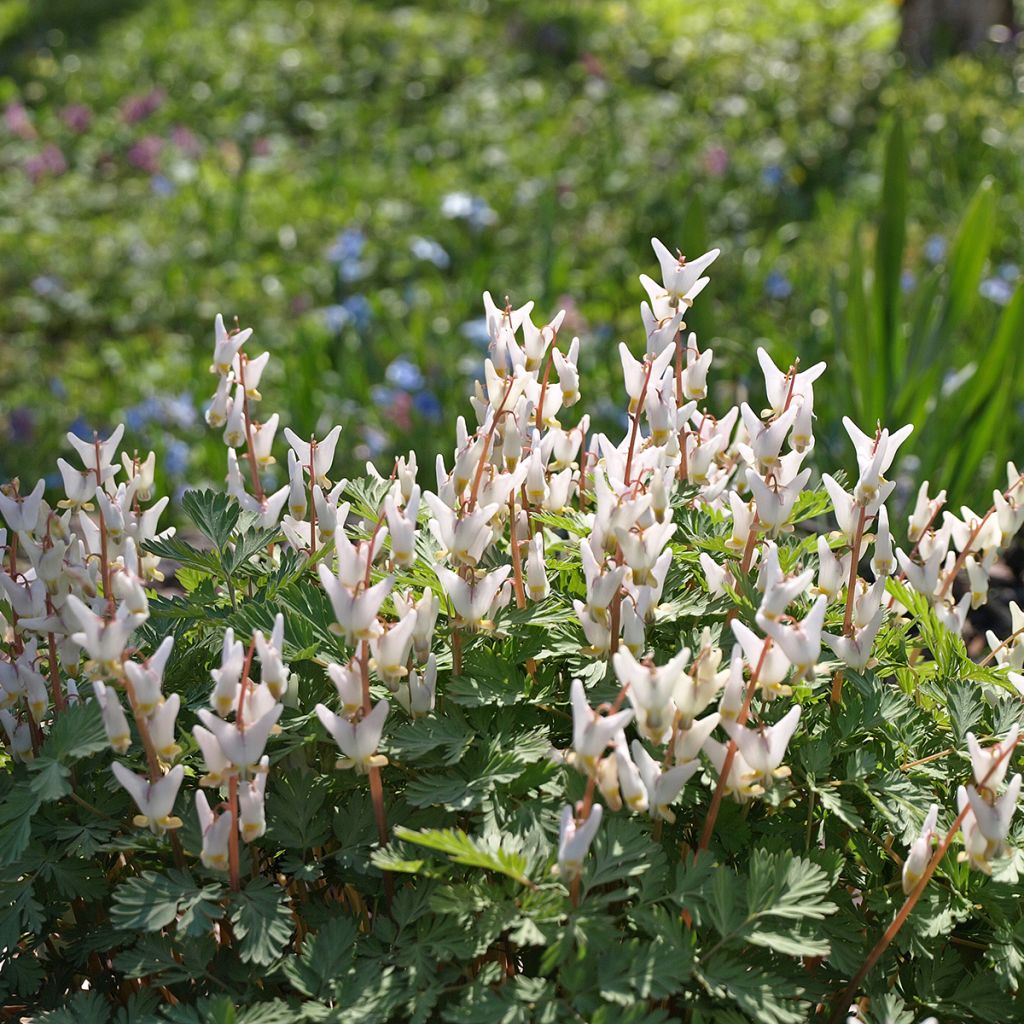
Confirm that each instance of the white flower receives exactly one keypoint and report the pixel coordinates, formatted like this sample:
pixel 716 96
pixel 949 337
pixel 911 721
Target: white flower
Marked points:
pixel 355 611
pixel 161 727
pixel 115 723
pixel 103 641
pixel 882 561
pixel 681 279
pixel 800 641
pixel 252 821
pixel 775 504
pixel 855 651
pixel 322 457
pixel 418 696
pixel 216 833
pixel 273 671
pixel 786 388
pixel 651 690
pixel 97 455
pixel 22 513
pixel 242 747
pixel 574 839
pixel 155 800
pixel 662 786
pixel 773 662
pixel 390 651
pixel 920 851
pixel 357 741
pixel 763 749
pixel 217 765
pixel 227 678
pixel 472 600
pixel 591 732
pixel 226 346
pixel 990 764
pixel 147 679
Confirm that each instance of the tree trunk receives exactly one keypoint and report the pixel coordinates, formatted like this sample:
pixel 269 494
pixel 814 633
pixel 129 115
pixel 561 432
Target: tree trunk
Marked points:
pixel 934 29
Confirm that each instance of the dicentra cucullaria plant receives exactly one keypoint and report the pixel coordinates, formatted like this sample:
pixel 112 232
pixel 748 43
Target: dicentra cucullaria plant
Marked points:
pixel 596 730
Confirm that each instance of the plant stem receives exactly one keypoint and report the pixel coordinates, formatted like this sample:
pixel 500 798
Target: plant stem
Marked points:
pixel 636 420
pixel 517 558
pixel 851 590
pixel 730 753
pixel 257 486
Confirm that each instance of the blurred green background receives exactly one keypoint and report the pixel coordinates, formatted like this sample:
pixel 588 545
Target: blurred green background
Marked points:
pixel 347 178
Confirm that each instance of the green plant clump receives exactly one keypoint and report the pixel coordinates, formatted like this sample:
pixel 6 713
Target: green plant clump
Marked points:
pixel 651 728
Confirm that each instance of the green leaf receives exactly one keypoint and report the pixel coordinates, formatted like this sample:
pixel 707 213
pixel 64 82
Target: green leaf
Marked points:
pixel 262 922
pixel 16 810
pixel 758 994
pixel 49 779
pixel 77 732
pixel 325 958
pixel 152 901
pixel 450 736
pixel 83 1008
pixel 781 885
pixel 213 512
pixel 176 549
pixel 490 854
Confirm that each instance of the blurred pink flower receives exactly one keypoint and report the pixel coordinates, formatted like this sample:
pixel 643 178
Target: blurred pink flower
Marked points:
pixel 145 154
pixel 77 116
pixel 261 146
pixel 186 140
pixel 17 120
pixel 716 161
pixel 138 108
pixel 48 162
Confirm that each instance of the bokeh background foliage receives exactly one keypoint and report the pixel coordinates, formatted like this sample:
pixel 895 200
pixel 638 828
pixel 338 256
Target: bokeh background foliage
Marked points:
pixel 348 178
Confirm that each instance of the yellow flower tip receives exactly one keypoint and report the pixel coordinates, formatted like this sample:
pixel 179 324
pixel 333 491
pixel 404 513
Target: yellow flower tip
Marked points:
pixel 251 831
pixel 140 821
pixel 170 823
pixel 121 743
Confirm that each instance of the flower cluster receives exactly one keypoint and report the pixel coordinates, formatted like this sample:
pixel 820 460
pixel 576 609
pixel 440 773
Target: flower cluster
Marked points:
pixel 534 514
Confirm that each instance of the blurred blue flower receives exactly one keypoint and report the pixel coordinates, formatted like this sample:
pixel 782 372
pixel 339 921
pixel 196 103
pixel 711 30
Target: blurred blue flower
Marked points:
pixel 335 317
pixel 22 424
pixel 382 395
pixel 428 405
pixel 908 280
pixel 81 429
pixel 347 246
pixel 476 332
pixel 148 410
pixel 472 209
pixel 935 249
pixel 57 388
pixel 997 290
pixel 162 186
pixel 1009 271
pixel 45 285
pixel 358 308
pixel 176 457
pixel 772 176
pixel 376 440
pixel 777 286
pixel 404 374
pixel 431 251
pixel 179 410
pixel 346 254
